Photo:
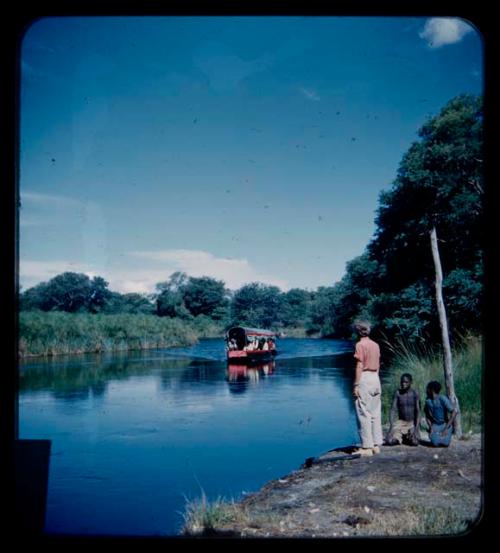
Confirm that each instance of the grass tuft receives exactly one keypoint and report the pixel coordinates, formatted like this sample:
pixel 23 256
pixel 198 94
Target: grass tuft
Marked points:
pixel 202 516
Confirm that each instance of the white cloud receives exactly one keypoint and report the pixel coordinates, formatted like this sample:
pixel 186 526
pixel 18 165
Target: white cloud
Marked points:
pixel 157 266
pixel 439 31
pixel 51 200
pixel 40 210
pixel 310 94
pixel 141 281
pixel 120 280
pixel 196 263
pixel 33 272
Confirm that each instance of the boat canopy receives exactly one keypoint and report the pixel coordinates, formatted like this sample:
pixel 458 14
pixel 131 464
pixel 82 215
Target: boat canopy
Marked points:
pixel 241 334
pixel 237 331
pixel 239 339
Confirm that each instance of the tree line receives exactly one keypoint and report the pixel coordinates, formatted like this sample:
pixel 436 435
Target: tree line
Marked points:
pixel 180 297
pixel 439 185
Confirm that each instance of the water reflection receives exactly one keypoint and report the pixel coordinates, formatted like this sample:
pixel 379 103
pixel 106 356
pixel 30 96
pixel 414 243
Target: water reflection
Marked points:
pixel 76 378
pixel 172 416
pixel 239 376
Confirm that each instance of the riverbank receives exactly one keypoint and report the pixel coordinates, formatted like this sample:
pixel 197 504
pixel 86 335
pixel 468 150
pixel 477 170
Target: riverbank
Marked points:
pixel 51 333
pixel 46 334
pixel 403 491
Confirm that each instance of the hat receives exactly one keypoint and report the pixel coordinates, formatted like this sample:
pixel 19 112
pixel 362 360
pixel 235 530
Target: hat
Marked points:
pixel 362 326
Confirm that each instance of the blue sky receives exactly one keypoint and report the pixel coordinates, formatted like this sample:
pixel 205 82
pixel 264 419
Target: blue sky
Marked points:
pixel 242 148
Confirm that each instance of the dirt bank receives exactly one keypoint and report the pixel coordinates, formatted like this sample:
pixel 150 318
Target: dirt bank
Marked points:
pixel 401 491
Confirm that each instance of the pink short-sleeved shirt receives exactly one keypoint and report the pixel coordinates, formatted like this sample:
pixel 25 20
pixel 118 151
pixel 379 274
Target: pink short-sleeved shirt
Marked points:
pixel 368 353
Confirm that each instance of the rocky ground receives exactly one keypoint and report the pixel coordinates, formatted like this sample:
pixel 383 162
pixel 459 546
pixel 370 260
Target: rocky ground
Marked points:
pixel 403 491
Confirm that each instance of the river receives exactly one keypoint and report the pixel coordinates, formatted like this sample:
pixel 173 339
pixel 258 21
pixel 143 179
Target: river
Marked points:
pixel 135 435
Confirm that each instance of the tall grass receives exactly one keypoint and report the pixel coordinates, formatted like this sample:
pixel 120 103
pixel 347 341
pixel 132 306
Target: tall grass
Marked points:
pixel 426 364
pixel 56 332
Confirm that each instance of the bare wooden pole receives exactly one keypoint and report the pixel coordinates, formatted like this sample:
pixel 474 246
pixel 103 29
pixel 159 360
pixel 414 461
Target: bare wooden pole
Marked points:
pixel 443 323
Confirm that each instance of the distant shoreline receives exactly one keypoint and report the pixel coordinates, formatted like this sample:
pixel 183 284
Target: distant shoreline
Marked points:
pixel 120 349
pixel 55 333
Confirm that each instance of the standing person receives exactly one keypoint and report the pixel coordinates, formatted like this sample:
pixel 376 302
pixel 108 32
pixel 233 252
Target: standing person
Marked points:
pixel 404 418
pixel 439 415
pixel 367 391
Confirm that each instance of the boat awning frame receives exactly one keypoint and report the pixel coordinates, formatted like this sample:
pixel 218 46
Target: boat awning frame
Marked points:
pixel 253 331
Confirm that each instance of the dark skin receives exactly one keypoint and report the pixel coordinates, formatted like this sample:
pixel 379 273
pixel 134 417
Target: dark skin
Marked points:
pixel 404 387
pixel 432 394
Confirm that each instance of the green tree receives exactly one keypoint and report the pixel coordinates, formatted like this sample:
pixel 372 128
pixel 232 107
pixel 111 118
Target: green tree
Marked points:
pixel 130 303
pixel 256 305
pixel 170 303
pixel 72 292
pixel 205 296
pixel 463 291
pixel 322 315
pixel 168 297
pixel 334 308
pixel 354 293
pixel 65 292
pixel 432 217
pixel 408 313
pixel 99 295
pixel 439 186
pixel 295 307
pixel 33 298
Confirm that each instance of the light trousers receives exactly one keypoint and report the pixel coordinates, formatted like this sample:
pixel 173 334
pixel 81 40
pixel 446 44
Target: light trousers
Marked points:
pixel 435 435
pixel 369 410
pixel 399 429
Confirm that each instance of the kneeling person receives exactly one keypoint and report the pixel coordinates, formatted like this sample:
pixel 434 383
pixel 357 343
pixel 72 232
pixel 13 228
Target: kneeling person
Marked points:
pixel 439 414
pixel 406 406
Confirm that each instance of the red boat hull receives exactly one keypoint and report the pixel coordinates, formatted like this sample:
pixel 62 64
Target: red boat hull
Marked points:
pixel 239 356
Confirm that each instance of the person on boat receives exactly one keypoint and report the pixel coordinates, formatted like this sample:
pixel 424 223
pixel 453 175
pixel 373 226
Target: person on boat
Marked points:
pixel 232 345
pixel 271 343
pixel 252 344
pixel 263 345
pixel 404 417
pixel 367 391
pixel 439 415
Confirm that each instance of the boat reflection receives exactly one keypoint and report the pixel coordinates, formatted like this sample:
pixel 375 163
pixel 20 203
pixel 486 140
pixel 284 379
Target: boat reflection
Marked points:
pixel 238 376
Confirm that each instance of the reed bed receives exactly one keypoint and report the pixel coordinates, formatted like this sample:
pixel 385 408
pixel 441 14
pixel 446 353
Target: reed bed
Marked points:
pixel 58 333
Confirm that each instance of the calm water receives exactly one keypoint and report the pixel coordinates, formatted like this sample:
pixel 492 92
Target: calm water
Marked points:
pixel 134 435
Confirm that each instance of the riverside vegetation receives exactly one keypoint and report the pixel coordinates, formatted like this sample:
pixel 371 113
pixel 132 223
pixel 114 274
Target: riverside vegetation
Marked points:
pixel 440 495
pixel 439 185
pixel 56 333
pixel 426 364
